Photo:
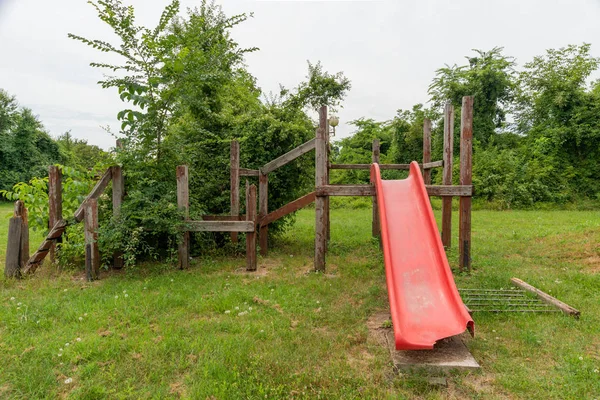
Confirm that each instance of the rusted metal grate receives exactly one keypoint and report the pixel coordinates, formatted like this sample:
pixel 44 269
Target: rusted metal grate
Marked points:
pixel 504 300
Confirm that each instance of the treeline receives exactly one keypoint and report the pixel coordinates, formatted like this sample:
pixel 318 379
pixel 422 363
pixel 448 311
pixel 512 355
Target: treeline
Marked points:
pixel 536 128
pixel 26 148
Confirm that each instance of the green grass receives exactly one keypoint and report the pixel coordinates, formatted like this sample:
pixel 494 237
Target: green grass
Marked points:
pixel 215 331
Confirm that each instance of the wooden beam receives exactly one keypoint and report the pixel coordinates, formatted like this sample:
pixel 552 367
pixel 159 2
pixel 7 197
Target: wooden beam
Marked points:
pixel 249 172
pixel 546 298
pixel 219 226
pixel 447 173
pixel 321 166
pixel 288 157
pixel 92 254
pixel 183 203
pixel 466 164
pixel 234 177
pixel 95 193
pixel 54 202
pixel 251 236
pixel 223 218
pixel 288 208
pixel 375 228
pixel 452 190
pixel 263 210
pixel 345 190
pixel 118 193
pixel 426 150
pixel 433 164
pixel 12 266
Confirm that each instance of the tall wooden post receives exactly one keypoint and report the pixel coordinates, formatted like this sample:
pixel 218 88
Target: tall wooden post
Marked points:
pixel 54 203
pixel 12 265
pixel 92 254
pixel 466 178
pixel 21 211
pixel 183 203
pixel 327 199
pixel 251 236
pixel 375 224
pixel 321 201
pixel 447 174
pixel 118 193
pixel 427 150
pixel 263 210
pixel 234 172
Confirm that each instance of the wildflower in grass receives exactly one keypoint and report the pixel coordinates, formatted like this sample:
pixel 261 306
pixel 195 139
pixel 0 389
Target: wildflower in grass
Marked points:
pixel 67 344
pixel 60 354
pixel 18 308
pixel 85 314
pixel 145 288
pixel 68 381
pixel 37 322
pixel 124 291
pixel 249 308
pixel 126 295
pixel 242 313
pixel 81 318
pixel 227 311
pixel 65 290
pixel 596 370
pixel 19 304
pixel 12 299
pixel 116 297
pixel 318 301
pixel 172 280
pixel 61 350
pixel 262 331
pixel 237 308
pixel 78 339
pixel 580 358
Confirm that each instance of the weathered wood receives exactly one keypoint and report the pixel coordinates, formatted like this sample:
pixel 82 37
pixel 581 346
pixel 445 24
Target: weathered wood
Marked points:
pixel 263 210
pixel 345 190
pixel 42 251
pixel 288 157
pixel 95 193
pixel 546 298
pixel 375 228
pixel 219 226
pixel 249 172
pixel 54 202
pixel 12 266
pixel 452 190
pixel 234 178
pixel 431 165
pixel 447 173
pixel 288 208
pixel 466 163
pixel 92 255
pixel 426 150
pixel 21 211
pixel 327 202
pixel 223 218
pixel 183 203
pixel 118 193
pixel 404 167
pixel 321 166
pixel 251 236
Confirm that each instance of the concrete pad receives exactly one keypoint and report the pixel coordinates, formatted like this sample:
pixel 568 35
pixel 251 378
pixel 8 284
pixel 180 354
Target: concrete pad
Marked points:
pixel 447 354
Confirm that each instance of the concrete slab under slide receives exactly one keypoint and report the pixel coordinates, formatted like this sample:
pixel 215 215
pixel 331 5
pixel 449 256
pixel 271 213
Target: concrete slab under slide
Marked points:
pixel 447 355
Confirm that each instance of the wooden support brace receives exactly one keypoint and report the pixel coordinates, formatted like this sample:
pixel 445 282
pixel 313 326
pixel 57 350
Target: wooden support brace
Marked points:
pixel 288 208
pixel 95 193
pixel 183 203
pixel 288 157
pixel 251 236
pixel 546 298
pixel 92 254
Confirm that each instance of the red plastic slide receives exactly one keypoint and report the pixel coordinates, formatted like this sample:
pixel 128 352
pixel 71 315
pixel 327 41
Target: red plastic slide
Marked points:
pixel 424 302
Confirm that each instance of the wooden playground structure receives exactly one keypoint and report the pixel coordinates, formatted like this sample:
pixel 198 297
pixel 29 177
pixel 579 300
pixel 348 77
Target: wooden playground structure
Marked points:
pixel 19 263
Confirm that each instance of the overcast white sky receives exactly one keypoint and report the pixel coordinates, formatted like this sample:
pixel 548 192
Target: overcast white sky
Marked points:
pixel 389 49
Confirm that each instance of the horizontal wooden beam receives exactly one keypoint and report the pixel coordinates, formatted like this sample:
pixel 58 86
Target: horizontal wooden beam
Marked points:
pixel 288 157
pixel 248 172
pixel 345 190
pixel 449 190
pixel 288 208
pixel 404 167
pixel 433 164
pixel 219 226
pixel 95 193
pixel 546 298
pixel 223 217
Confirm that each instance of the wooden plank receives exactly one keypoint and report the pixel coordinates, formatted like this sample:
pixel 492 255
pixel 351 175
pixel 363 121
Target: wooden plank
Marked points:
pixel 92 255
pixel 21 211
pixel 223 218
pixel 95 193
pixel 345 190
pixel 118 193
pixel 288 157
pixel 54 202
pixel 426 150
pixel 433 164
pixel 234 180
pixel 466 163
pixel 183 203
pixel 452 190
pixel 447 173
pixel 375 228
pixel 251 236
pixel 288 208
pixel 12 266
pixel 249 172
pixel 263 210
pixel 321 181
pixel 546 298
pixel 219 226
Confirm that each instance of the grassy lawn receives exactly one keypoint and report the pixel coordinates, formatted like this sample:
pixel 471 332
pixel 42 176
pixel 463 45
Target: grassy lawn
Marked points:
pixel 215 331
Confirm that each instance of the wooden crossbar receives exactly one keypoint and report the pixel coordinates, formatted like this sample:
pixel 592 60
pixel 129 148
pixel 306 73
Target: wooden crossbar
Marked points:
pixel 219 226
pixel 288 208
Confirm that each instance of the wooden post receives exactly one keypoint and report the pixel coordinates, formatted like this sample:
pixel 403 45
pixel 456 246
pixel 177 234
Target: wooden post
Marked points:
pixel 375 224
pixel 183 203
pixel 327 208
pixel 118 193
pixel 92 254
pixel 427 149
pixel 234 173
pixel 251 236
pixel 13 248
pixel 54 203
pixel 321 201
pixel 21 211
pixel 466 178
pixel 447 174
pixel 263 210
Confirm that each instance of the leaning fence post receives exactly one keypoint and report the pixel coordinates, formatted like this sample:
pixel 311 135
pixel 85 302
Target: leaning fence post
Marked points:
pixel 466 178
pixel 54 203
pixel 447 174
pixel 13 248
pixel 183 203
pixel 251 236
pixel 92 254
